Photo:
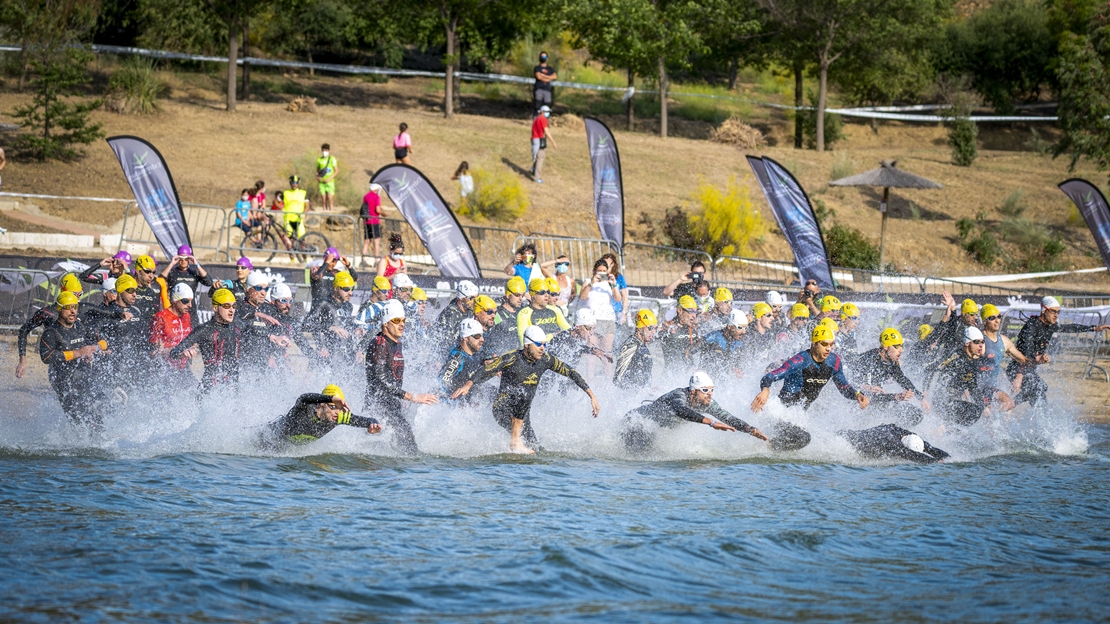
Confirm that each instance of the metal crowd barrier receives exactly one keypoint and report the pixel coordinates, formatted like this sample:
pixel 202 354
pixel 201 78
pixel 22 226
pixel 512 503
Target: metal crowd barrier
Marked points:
pixel 582 252
pixel 415 251
pixel 322 230
pixel 492 245
pixel 22 293
pixel 207 226
pixel 656 265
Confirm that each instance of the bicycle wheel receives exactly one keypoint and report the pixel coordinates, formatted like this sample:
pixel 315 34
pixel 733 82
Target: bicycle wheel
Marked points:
pixel 259 246
pixel 313 243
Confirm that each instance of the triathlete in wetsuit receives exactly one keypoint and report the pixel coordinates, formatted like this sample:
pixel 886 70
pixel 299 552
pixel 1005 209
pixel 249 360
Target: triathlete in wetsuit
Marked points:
pixel 966 383
pixel 997 345
pixel 465 359
pixel 322 278
pixel 726 346
pixel 570 346
pixel 846 345
pixel 893 442
pixel 691 404
pixel 761 337
pixel 260 331
pixel 948 335
pixel 116 265
pixel 170 327
pixel 313 416
pixel 385 374
pixel 184 268
pixel 1032 342
pixel 95 315
pixel 540 313
pixel 446 328
pixel 331 322
pixel 219 343
pixel 129 337
pixel 280 307
pixel 874 368
pixel 803 377
pixel 679 340
pixel 148 290
pixel 503 337
pixel 633 366
pixel 43 317
pixel 520 376
pixel 67 347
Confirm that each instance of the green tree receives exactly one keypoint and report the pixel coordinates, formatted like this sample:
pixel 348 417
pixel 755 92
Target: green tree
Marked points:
pixel 55 124
pixel 301 27
pixel 43 27
pixel 1084 109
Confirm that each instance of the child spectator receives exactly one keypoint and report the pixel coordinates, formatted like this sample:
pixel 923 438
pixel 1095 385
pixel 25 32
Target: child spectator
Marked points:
pixel 466 182
pixel 402 145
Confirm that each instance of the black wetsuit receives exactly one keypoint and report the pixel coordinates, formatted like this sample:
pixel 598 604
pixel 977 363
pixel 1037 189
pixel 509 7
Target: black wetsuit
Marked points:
pixel 290 328
pixel 846 345
pixel 682 346
pixel 1032 341
pixel 149 300
pixel 503 337
pixel 758 346
pixel 385 374
pixel 72 378
pixel 570 348
pixel 633 364
pixel 129 342
pixel 803 378
pixel 446 328
pixel 961 373
pixel 41 318
pixel 870 369
pixel 96 315
pixel 301 425
pixel 885 442
pixel 458 369
pixel 189 275
pixel 725 356
pixel 669 411
pixel 322 280
pixel 520 377
pixel 220 348
pixel 323 316
pixel 255 333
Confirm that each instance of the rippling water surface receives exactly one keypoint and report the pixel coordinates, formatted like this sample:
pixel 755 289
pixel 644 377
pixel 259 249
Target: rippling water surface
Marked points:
pixel 189 536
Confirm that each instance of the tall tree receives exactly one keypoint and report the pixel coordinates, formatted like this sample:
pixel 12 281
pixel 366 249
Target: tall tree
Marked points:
pixel 234 14
pixel 1084 110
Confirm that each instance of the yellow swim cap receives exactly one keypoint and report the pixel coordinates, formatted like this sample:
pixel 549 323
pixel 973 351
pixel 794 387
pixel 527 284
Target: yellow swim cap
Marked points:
pixel 145 262
pixel 515 286
pixel 646 318
pixel 125 281
pixel 537 285
pixel 722 295
pixel 830 304
pixel 333 390
pixel 418 294
pixel 923 331
pixel 66 298
pixel 969 307
pixel 988 310
pixel 831 324
pixel 380 283
pixel 849 310
pixel 552 285
pixel 343 279
pixel 822 333
pixel 890 337
pixel 799 310
pixel 482 303
pixel 71 284
pixel 686 302
pixel 220 297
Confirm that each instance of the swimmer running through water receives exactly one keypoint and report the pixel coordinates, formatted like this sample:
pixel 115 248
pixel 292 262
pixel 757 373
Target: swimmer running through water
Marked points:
pixel 313 416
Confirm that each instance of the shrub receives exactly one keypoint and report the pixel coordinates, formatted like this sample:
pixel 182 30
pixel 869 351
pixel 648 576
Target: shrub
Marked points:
pixel 984 248
pixel 498 195
pixel 56 125
pixel 725 220
pixel 834 125
pixel 348 194
pixel 676 227
pixel 842 167
pixel 1014 204
pixel 848 247
pixel 962 133
pixel 135 88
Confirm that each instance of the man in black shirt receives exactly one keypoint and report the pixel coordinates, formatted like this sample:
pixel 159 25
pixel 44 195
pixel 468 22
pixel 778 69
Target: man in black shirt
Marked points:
pixel 68 347
pixel 543 91
pixel 876 367
pixel 315 415
pixel 633 361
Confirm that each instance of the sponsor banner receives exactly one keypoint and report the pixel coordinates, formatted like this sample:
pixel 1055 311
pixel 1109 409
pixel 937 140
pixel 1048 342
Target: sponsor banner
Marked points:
pixel 608 186
pixel 795 217
pixel 1092 205
pixel 424 209
pixel 151 182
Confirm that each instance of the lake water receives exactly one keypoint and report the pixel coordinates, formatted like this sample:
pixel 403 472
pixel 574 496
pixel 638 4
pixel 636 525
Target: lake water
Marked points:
pixel 168 521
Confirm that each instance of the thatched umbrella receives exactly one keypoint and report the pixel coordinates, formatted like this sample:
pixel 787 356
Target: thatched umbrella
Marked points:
pixel 887 176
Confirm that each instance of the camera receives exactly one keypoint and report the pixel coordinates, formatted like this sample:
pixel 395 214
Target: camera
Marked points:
pixel 696 276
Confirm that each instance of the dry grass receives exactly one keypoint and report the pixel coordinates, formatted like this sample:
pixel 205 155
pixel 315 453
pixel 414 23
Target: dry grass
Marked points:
pixel 302 104
pixel 736 132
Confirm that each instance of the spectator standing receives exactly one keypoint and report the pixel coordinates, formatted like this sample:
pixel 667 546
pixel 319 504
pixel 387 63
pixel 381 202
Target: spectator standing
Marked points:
pixel 524 265
pixel 541 134
pixel 371 215
pixel 466 182
pixel 402 145
pixel 543 91
pixel 394 263
pixel 620 295
pixel 327 168
pixel 569 288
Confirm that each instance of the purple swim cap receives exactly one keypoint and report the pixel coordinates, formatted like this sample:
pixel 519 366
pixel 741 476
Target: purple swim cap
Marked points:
pixel 124 256
pixel 184 250
pixel 332 251
pixel 245 262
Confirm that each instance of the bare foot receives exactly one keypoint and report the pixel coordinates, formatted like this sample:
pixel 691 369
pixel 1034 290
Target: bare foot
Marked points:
pixel 520 449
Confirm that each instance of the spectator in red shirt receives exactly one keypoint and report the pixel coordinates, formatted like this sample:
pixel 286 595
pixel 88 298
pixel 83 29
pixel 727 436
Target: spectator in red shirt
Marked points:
pixel 371 215
pixel 541 134
pixel 171 325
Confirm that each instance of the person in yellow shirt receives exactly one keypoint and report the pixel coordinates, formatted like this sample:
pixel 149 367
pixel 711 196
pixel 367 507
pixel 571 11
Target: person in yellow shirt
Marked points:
pixel 295 203
pixel 539 313
pixel 327 168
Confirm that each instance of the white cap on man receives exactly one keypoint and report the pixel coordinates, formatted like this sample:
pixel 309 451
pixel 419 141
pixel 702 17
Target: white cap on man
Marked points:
pixel 394 309
pixel 258 278
pixel 972 333
pixel 738 318
pixel 701 379
pixel 282 291
pixel 545 109
pixel 584 317
pixel 1050 303
pixel 466 288
pixel 470 327
pixel 775 298
pixel 109 284
pixel 181 291
pixel 401 280
pixel 374 186
pixel 535 334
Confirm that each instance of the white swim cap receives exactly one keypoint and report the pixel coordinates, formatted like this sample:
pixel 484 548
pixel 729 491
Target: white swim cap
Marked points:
pixel 972 333
pixel 258 278
pixel 1051 303
pixel 738 318
pixel 401 280
pixel 585 317
pixel 774 298
pixel 913 442
pixel 181 291
pixel 466 288
pixel 470 327
pixel 394 309
pixel 701 379
pixel 109 284
pixel 281 291
pixel 535 334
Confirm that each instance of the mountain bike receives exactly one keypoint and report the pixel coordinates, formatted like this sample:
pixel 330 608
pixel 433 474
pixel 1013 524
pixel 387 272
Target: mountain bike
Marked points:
pixel 260 243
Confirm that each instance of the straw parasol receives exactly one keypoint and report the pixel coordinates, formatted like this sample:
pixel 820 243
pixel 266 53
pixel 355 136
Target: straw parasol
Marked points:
pixel 888 176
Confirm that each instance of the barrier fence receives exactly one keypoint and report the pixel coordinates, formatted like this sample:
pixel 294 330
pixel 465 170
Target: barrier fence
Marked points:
pixel 270 242
pixel 22 293
pixel 655 265
pixel 207 230
pixel 582 252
